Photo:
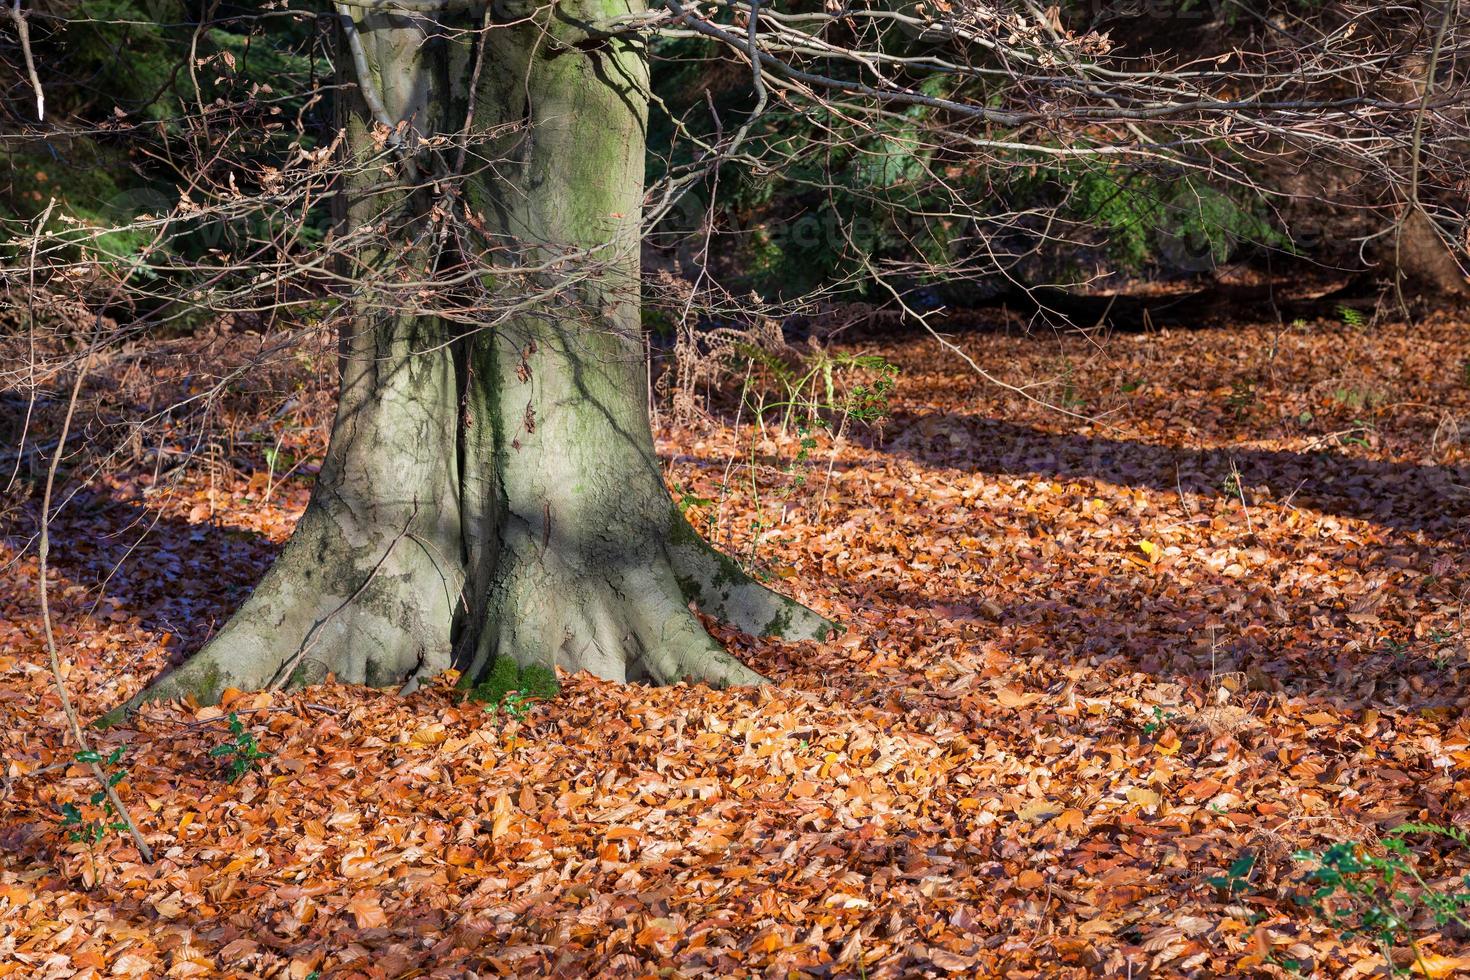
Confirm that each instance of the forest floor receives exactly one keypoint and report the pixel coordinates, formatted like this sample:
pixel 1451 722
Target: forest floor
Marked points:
pixel 1115 686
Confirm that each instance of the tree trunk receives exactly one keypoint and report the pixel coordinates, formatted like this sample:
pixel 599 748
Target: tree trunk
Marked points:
pixel 497 494
pixel 1421 259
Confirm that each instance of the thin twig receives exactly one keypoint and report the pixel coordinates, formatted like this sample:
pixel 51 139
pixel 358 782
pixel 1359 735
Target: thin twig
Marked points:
pixel 25 428
pixel 283 672
pixel 23 30
pixel 1240 492
pixel 923 320
pixel 364 73
pixel 267 709
pixel 469 114
pixel 43 552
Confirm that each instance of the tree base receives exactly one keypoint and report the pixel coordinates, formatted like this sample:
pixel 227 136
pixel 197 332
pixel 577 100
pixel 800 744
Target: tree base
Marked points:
pixel 631 622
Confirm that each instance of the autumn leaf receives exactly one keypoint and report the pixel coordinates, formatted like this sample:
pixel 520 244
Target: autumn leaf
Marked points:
pixel 1143 797
pixel 366 912
pixel 500 817
pixel 1436 967
pixel 1038 811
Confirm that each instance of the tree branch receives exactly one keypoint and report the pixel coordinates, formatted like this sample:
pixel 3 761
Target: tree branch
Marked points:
pixel 23 30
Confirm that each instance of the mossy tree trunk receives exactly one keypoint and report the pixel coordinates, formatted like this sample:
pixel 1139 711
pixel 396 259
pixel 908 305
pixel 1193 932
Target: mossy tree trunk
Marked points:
pixel 495 494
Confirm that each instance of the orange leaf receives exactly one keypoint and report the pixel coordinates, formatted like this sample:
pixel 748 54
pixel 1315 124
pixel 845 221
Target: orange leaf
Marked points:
pixel 367 912
pixel 1072 820
pixel 500 821
pixel 622 833
pixel 1436 967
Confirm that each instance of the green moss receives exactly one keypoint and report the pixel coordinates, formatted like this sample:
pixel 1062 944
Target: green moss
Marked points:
pixel 681 535
pixel 779 624
pixel 539 681
pixel 691 588
pixel 116 716
pixel 730 572
pixel 502 678
pixel 506 676
pixel 205 683
pixel 307 673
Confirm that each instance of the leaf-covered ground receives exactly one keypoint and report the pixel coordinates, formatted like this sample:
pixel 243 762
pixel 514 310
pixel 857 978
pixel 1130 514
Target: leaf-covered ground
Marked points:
pixel 1092 663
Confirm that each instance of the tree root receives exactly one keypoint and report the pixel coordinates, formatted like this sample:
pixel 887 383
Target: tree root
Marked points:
pixel 325 607
pixel 626 622
pixel 387 623
pixel 722 590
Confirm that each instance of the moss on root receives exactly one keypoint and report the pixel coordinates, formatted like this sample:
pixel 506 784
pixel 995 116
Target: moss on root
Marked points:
pixel 506 676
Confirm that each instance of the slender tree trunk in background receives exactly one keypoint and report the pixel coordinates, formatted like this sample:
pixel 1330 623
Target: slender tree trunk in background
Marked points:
pixel 497 495
pixel 1421 259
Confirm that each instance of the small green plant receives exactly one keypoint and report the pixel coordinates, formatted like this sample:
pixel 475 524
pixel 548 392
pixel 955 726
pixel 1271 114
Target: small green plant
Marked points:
pixel 1394 648
pixel 1289 964
pixel 241 752
pixel 807 442
pixel 1230 486
pixel 756 527
pixel 1359 434
pixel 690 504
pixel 93 830
pixel 1380 898
pixel 92 826
pixel 1070 398
pixel 1237 878
pixel 515 706
pixel 1360 894
pixel 1159 721
pixel 511 690
pixel 1358 399
pixel 1242 398
pixel 688 500
pixel 805 390
pixel 820 384
pixel 1439 638
pixel 1351 317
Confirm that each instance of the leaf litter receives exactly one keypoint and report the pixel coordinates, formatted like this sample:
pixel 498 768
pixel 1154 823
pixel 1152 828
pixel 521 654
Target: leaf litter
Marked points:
pixel 1089 667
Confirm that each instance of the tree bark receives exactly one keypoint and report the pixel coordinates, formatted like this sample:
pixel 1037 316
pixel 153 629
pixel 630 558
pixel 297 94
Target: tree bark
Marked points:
pixel 497 494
